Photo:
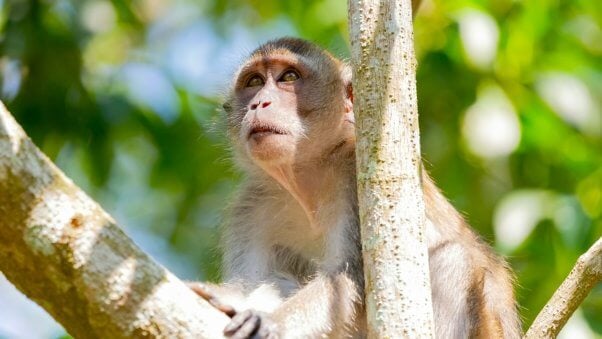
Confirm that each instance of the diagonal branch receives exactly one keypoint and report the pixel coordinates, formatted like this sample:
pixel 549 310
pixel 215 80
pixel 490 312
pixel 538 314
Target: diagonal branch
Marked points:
pixel 580 281
pixel 64 252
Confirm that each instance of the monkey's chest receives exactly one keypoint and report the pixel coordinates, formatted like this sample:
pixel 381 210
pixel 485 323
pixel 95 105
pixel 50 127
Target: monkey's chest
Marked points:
pixel 304 254
pixel 300 240
pixel 301 246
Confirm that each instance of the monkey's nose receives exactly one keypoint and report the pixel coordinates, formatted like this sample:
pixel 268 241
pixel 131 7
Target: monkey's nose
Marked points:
pixel 263 105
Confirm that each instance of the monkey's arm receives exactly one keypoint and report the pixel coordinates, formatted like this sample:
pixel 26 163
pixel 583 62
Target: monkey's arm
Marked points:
pixel 328 305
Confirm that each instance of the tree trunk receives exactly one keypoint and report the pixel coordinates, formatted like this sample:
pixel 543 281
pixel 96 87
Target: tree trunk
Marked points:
pixel 398 292
pixel 65 253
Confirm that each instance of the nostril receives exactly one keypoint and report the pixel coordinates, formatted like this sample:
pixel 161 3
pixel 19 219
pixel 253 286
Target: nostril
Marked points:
pixel 266 104
pixel 254 106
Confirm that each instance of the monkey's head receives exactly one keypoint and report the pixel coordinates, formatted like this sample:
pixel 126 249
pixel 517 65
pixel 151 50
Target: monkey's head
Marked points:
pixel 291 103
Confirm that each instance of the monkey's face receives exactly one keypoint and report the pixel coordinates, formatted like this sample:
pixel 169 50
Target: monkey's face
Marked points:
pixel 289 108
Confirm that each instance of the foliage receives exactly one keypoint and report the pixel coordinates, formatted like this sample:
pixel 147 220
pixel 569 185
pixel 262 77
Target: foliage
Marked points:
pixel 125 96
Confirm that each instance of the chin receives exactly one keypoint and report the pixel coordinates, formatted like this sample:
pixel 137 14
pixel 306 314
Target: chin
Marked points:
pixel 273 149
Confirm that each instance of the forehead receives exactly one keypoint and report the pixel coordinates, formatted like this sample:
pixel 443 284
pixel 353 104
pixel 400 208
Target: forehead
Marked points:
pixel 293 45
pixel 279 56
pixel 296 53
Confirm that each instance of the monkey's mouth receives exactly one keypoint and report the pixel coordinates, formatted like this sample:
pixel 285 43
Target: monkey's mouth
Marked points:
pixel 265 130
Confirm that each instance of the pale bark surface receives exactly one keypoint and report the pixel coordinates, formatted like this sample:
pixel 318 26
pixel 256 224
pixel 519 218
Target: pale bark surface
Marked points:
pixel 65 253
pixel 398 292
pixel 580 281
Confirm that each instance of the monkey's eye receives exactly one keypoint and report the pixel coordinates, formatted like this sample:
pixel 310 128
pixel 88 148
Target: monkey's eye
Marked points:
pixel 289 76
pixel 255 81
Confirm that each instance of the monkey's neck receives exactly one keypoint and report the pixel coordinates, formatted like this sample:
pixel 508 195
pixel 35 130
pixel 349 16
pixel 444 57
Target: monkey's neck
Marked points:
pixel 317 187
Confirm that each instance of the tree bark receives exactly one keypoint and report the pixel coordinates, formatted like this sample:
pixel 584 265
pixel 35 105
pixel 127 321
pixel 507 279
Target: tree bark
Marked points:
pixel 398 292
pixel 580 281
pixel 65 253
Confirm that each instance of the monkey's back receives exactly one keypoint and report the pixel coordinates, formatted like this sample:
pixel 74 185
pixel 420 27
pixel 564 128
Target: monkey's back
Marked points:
pixel 472 286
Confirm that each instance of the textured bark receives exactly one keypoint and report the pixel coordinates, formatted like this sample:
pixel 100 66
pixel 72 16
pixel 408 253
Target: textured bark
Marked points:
pixel 398 292
pixel 580 281
pixel 65 253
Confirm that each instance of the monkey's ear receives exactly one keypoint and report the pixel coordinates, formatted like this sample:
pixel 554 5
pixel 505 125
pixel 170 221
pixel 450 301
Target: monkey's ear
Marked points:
pixel 349 91
pixel 227 107
pixel 346 77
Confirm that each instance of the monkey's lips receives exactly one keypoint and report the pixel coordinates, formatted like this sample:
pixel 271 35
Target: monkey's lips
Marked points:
pixel 262 131
pixel 268 143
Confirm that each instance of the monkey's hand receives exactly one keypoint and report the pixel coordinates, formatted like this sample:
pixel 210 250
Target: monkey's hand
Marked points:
pixel 252 324
pixel 205 292
pixel 247 324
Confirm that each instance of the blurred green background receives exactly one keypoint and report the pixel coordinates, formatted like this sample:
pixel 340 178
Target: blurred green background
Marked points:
pixel 124 97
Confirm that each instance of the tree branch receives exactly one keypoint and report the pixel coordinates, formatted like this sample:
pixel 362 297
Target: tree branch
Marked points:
pixel 580 281
pixel 65 253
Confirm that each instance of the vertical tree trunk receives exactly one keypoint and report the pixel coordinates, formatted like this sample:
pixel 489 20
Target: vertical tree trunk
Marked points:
pixel 398 292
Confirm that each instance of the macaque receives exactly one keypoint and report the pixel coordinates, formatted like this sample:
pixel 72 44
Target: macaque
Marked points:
pixel 292 251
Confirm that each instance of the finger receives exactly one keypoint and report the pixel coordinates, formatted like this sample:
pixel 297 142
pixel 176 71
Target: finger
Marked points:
pixel 267 329
pixel 237 322
pixel 227 309
pixel 205 292
pixel 265 332
pixel 248 328
pixel 202 290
